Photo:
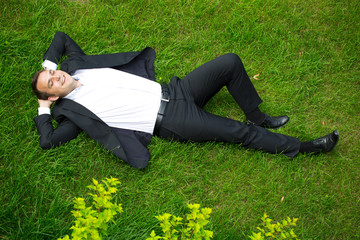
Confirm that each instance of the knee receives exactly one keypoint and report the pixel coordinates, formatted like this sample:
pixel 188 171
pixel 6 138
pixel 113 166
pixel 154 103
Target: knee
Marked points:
pixel 233 60
pixel 232 57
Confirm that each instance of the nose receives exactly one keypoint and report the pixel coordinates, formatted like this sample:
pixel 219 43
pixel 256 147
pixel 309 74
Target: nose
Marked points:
pixel 56 78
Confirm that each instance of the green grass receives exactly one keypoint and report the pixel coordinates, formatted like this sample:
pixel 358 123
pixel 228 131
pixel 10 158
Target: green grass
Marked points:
pixel 307 54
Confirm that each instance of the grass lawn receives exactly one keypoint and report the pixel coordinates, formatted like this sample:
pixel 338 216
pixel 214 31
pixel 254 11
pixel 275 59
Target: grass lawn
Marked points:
pixel 306 55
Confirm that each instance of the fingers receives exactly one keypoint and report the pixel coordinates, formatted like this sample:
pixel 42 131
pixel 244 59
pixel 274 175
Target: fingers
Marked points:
pixel 45 103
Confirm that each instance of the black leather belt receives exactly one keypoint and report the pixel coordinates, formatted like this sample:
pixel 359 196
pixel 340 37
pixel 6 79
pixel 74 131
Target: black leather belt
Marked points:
pixel 165 98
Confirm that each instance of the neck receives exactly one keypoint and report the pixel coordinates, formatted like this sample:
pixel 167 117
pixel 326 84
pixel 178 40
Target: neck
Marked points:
pixel 78 84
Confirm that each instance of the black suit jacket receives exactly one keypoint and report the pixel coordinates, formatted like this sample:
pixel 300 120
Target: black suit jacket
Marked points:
pixel 72 118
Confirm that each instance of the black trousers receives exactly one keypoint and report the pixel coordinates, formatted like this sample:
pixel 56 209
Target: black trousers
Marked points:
pixel 186 120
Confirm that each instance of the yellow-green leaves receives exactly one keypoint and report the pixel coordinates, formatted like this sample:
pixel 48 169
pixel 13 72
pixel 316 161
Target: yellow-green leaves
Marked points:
pixel 279 230
pixel 91 222
pixel 190 227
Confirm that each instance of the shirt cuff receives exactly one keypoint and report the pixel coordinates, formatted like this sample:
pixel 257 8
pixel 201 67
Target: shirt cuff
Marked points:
pixel 43 110
pixel 49 64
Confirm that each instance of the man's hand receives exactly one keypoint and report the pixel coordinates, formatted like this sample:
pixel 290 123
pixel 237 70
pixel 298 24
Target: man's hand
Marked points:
pixel 45 103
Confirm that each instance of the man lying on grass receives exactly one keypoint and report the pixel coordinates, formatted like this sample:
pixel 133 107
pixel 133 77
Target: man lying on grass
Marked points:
pixel 115 100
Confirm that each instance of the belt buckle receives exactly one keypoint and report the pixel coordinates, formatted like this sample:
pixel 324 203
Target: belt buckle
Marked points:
pixel 165 99
pixel 165 93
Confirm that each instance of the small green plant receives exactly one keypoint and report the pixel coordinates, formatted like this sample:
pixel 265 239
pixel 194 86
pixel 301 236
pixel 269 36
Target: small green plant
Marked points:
pixel 92 222
pixel 190 227
pixel 279 230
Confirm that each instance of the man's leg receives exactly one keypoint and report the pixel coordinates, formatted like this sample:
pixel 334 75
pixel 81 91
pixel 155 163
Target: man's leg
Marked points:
pixel 228 70
pixel 184 121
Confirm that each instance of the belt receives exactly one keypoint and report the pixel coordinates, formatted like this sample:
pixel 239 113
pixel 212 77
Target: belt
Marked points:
pixel 165 98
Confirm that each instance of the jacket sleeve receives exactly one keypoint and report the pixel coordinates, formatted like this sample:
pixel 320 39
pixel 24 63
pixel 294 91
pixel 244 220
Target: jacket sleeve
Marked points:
pixel 62 45
pixel 50 137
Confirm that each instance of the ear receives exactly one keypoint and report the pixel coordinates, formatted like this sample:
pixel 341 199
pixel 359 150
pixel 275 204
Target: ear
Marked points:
pixel 53 98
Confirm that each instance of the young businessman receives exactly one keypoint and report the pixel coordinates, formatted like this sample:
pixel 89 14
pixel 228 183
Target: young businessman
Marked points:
pixel 114 98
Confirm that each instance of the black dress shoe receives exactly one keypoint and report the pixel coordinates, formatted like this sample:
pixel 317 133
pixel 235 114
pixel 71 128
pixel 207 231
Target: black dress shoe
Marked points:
pixel 272 122
pixel 326 143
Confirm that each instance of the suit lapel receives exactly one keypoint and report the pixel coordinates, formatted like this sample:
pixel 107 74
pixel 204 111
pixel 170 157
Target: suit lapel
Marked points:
pixel 93 126
pixel 77 108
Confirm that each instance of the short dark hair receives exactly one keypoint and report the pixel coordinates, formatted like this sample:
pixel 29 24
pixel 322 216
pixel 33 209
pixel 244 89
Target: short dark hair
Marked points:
pixel 34 81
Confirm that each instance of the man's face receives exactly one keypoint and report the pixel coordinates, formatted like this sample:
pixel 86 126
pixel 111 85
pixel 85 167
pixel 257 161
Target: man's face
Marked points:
pixel 57 83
